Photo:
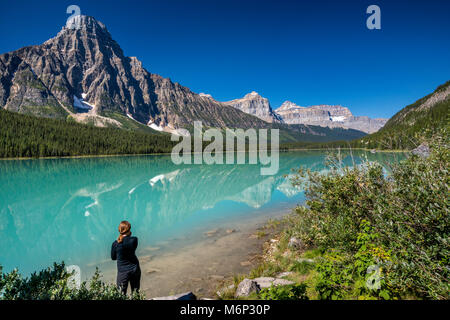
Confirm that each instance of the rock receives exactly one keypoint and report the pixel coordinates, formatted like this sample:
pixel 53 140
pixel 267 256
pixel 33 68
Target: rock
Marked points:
pixel 305 260
pixel 284 274
pixel 181 296
pixel 282 282
pixel 264 282
pixel 230 231
pixel 273 240
pixel 422 151
pixel 267 282
pixel 295 243
pixel 246 287
pixel 145 258
pixel 196 279
pixel 246 263
pixel 252 103
pixel 210 233
pixel 153 270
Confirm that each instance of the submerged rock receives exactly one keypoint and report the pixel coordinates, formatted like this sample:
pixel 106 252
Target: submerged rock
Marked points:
pixel 211 233
pixel 152 270
pixel 246 287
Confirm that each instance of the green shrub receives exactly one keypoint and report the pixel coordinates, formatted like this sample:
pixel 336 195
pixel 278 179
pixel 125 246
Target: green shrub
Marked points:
pixel 337 203
pixel 55 284
pixel 290 292
pixel 362 216
pixel 334 277
pixel 341 275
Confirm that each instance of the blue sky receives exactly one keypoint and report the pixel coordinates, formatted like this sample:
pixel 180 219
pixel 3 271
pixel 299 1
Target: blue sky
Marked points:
pixel 308 52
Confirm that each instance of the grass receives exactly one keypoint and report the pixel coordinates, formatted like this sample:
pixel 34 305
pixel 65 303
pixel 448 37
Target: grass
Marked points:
pixel 277 257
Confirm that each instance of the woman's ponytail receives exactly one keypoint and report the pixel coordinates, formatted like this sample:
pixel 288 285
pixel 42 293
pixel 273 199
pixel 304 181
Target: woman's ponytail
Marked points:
pixel 124 230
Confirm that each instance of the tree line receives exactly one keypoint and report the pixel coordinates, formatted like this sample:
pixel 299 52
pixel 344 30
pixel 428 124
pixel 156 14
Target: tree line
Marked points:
pixel 29 136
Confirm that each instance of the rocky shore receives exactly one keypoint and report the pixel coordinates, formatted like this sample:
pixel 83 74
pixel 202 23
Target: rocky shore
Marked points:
pixel 205 262
pixel 237 286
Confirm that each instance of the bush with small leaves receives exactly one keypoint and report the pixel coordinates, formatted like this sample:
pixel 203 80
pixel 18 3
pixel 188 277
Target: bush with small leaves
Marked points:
pixel 54 284
pixel 289 292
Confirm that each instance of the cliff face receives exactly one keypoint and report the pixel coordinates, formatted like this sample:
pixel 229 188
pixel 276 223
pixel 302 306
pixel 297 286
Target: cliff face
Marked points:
pixel 84 73
pixel 252 103
pixel 326 115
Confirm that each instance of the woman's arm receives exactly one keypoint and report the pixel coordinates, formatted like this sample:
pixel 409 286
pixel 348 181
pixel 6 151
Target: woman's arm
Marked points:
pixel 113 251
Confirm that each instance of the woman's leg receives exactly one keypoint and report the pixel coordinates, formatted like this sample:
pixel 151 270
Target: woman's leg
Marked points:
pixel 135 280
pixel 122 281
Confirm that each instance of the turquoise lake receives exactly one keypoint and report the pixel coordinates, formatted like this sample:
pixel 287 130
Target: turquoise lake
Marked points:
pixel 69 209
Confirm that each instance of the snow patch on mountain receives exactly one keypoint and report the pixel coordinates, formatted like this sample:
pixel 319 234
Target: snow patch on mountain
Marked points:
pixel 338 119
pixel 154 126
pixel 81 104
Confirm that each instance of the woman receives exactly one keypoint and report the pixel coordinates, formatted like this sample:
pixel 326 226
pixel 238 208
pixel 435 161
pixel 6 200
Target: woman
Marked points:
pixel 123 250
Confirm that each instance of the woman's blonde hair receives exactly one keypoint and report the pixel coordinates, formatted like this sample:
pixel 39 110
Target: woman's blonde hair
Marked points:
pixel 124 230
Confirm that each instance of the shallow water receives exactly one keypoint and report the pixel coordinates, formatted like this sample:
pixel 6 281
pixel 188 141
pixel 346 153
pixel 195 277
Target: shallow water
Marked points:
pixel 69 209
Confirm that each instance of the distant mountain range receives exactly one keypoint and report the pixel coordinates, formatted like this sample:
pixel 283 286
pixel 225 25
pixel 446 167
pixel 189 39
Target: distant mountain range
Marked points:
pixel 83 75
pixel 290 113
pixel 330 116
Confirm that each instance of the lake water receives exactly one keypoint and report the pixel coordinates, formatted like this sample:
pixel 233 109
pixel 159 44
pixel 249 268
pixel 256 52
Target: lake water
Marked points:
pixel 69 209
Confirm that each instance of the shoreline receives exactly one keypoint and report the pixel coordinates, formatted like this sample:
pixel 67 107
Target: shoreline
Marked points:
pixel 168 153
pixel 204 265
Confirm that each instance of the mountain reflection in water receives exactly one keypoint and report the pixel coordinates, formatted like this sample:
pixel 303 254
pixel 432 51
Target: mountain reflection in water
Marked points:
pixel 69 209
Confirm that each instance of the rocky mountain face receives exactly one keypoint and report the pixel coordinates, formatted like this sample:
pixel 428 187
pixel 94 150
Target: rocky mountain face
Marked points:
pixel 83 73
pixel 326 115
pixel 256 105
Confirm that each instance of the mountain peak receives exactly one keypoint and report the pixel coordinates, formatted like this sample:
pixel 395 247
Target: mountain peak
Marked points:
pixel 83 22
pixel 288 105
pixel 83 74
pixel 83 38
pixel 252 95
pixel 254 104
pixel 205 95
